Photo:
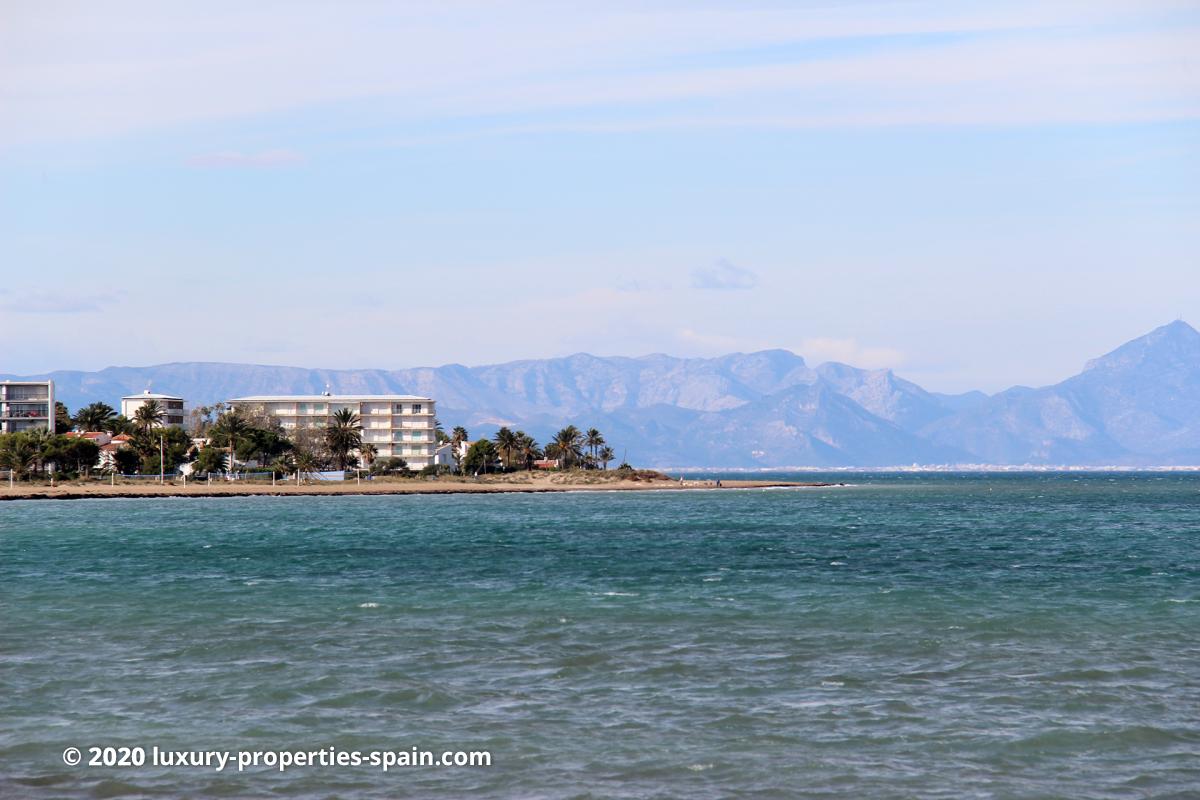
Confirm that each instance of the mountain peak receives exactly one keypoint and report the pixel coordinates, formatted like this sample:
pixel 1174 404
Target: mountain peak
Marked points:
pixel 1176 343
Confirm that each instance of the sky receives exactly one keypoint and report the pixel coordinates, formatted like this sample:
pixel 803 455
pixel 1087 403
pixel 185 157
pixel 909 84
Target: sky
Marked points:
pixel 974 194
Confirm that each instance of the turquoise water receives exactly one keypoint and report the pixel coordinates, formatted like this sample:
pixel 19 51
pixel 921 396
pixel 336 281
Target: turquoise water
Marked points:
pixel 907 636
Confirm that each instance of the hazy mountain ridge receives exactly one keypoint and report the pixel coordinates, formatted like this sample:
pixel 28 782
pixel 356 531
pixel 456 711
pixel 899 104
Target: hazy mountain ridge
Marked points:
pixel 1139 404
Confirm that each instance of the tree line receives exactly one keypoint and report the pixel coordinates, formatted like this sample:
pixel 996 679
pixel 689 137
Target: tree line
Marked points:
pixel 150 447
pixel 510 450
pixel 234 435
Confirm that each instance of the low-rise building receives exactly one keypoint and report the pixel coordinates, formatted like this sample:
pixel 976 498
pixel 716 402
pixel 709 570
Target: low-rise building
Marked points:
pixel 397 425
pixel 25 405
pixel 101 438
pixel 171 406
pixel 443 455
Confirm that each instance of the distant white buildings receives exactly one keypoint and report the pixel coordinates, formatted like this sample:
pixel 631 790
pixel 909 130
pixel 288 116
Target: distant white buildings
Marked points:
pixel 171 405
pixel 398 426
pixel 25 405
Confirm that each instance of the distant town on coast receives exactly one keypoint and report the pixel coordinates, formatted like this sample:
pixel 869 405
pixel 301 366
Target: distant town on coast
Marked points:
pixel 1138 406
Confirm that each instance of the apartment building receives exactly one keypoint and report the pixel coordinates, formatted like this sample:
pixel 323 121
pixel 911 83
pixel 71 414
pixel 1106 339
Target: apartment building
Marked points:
pixel 398 425
pixel 25 405
pixel 171 405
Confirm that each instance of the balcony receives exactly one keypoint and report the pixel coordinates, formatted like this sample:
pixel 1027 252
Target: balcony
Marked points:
pixel 13 411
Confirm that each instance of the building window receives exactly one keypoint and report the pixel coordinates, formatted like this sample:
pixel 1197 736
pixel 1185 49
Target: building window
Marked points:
pixel 417 408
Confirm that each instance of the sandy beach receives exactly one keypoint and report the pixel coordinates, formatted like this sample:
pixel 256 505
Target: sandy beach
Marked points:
pixel 514 483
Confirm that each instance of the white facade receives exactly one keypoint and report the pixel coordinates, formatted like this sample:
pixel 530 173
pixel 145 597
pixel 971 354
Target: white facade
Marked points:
pixel 398 425
pixel 171 405
pixel 25 405
pixel 443 456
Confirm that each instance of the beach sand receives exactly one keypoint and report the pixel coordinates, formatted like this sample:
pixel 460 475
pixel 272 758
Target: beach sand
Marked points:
pixel 512 483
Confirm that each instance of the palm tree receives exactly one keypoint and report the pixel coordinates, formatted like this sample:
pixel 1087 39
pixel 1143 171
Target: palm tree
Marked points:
pixel 119 424
pixel 305 462
pixel 284 464
pixel 367 452
pixel 149 415
pixel 506 442
pixel 94 417
pixel 593 440
pixel 18 453
pixel 343 435
pixel 232 424
pixel 457 437
pixel 606 455
pixel 527 449
pixel 566 446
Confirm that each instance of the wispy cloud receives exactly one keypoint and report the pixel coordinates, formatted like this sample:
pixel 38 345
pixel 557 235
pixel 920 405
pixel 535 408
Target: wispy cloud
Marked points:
pixel 41 301
pixel 723 275
pixel 643 285
pixel 232 159
pixel 69 71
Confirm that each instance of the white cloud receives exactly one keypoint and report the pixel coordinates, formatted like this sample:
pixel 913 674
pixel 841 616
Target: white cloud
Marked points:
pixel 41 301
pixel 848 351
pixel 232 159
pixel 723 275
pixel 70 70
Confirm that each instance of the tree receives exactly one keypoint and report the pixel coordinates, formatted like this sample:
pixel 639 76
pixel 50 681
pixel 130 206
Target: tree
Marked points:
pixel 457 437
pixel 149 415
pixel 593 440
pixel 43 445
pixel 126 461
pixel 176 449
pixel 566 446
pixel 284 465
pixel 343 436
pixel 62 417
pixel 311 441
pixel 94 417
pixel 306 462
pixel 480 457
pixel 18 453
pixel 394 465
pixel 200 418
pixel 229 428
pixel 527 449
pixel 119 424
pixel 75 454
pixel 606 455
pixel 506 443
pixel 439 433
pixel 367 453
pixel 209 459
pixel 262 444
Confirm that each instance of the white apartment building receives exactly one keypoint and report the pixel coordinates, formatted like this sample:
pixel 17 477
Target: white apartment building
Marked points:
pixel 398 425
pixel 25 405
pixel 171 405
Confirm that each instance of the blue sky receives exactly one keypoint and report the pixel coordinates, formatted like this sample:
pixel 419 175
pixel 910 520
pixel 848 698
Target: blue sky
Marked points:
pixel 976 194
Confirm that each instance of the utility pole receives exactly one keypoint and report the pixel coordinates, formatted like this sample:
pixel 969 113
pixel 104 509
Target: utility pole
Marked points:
pixel 162 464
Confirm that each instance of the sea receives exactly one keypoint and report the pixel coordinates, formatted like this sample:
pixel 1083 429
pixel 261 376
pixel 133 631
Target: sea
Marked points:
pixel 900 636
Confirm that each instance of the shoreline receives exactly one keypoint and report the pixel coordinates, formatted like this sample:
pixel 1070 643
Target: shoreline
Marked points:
pixel 537 485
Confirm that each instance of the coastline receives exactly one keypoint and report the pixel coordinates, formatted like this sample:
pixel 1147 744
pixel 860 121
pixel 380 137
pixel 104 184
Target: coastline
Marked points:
pixel 536 484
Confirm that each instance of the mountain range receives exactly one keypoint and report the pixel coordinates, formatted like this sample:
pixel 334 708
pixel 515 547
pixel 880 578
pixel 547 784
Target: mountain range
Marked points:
pixel 1138 405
